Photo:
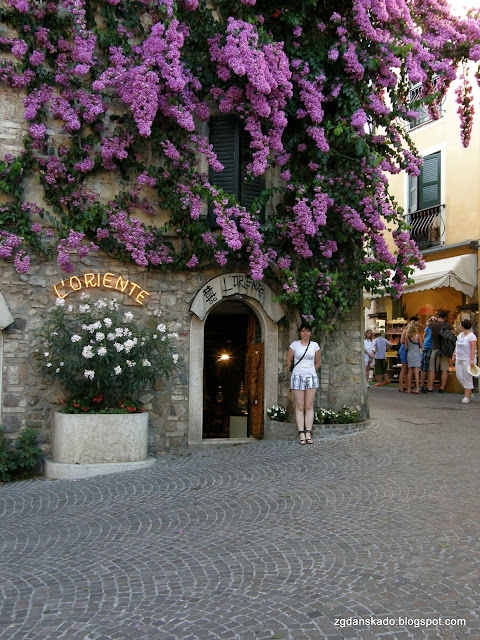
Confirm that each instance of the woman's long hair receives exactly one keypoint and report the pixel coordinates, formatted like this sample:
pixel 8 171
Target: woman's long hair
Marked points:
pixel 412 329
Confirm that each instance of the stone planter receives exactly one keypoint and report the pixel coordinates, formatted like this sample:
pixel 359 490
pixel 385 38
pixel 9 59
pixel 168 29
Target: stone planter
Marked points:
pixel 274 430
pixel 96 444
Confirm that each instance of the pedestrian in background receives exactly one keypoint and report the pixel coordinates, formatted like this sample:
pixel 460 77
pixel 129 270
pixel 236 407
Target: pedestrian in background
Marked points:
pixel 438 361
pixel 368 352
pixel 402 357
pixel 426 354
pixel 413 344
pixel 380 345
pixel 464 356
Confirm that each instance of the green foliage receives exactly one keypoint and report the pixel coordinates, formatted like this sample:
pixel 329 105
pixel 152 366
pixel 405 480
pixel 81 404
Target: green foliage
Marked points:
pixel 21 459
pixel 318 283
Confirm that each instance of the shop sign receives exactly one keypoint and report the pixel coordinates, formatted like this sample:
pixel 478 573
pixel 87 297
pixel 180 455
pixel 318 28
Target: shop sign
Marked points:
pixel 103 281
pixel 238 285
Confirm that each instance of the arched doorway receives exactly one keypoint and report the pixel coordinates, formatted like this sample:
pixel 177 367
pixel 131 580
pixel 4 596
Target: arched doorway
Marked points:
pixel 254 298
pixel 232 372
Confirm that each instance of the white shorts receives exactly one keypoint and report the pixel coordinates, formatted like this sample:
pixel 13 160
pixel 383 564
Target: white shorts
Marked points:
pixel 300 383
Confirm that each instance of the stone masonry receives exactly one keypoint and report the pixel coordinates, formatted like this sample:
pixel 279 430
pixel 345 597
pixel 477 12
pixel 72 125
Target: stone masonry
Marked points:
pixel 28 400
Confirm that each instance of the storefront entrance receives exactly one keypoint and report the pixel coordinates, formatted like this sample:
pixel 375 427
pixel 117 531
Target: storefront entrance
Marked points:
pixel 232 307
pixel 233 373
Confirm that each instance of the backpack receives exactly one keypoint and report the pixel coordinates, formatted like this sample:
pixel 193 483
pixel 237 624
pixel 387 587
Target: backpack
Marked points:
pixel 448 341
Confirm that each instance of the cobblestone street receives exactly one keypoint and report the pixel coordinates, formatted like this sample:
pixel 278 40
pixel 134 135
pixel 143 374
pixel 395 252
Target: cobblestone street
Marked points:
pixel 264 541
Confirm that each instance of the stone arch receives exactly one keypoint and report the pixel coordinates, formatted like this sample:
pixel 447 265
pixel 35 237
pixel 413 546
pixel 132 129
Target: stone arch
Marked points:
pixel 269 333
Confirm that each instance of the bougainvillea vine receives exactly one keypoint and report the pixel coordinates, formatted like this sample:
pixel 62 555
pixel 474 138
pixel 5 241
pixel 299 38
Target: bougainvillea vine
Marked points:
pixel 123 91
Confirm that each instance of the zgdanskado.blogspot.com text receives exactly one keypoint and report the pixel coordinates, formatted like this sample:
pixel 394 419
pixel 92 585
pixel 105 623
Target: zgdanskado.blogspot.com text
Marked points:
pixel 400 622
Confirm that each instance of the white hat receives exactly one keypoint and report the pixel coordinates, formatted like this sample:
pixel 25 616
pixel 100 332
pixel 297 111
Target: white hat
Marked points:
pixel 473 370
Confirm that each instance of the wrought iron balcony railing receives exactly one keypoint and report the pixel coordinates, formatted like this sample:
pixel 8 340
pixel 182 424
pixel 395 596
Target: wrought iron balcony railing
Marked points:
pixel 427 226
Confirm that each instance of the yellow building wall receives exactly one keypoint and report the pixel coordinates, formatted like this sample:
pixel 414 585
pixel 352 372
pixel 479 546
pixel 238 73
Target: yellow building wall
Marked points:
pixel 460 171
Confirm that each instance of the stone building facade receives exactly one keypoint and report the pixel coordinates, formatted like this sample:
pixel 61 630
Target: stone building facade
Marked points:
pixel 174 405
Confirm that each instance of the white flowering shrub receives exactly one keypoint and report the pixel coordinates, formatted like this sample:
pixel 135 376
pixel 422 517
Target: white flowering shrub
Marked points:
pixel 277 413
pixel 327 416
pixel 103 357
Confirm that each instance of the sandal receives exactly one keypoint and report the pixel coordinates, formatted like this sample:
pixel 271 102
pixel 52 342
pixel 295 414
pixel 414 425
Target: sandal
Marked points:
pixel 304 440
pixel 308 439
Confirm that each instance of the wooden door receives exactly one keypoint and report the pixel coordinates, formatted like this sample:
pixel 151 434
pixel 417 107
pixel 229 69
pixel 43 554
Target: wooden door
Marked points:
pixel 254 379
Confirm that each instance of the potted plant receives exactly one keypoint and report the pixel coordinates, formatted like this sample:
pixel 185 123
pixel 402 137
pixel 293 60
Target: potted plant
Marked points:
pixel 104 359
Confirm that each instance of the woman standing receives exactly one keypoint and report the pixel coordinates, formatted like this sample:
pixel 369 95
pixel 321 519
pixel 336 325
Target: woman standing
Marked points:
pixel 402 357
pixel 368 352
pixel 413 344
pixel 304 355
pixel 464 356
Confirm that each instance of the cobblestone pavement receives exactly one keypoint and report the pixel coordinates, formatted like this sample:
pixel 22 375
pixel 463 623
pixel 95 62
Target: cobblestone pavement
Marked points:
pixel 264 541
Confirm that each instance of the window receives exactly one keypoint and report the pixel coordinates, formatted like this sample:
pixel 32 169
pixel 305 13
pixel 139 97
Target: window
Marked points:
pixel 230 143
pixel 424 116
pixel 424 216
pixel 425 188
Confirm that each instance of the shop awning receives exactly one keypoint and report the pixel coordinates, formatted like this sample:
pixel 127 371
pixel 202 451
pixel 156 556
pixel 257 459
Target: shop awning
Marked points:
pixel 459 272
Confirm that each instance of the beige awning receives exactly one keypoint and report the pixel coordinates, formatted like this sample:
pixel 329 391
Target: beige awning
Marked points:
pixel 459 272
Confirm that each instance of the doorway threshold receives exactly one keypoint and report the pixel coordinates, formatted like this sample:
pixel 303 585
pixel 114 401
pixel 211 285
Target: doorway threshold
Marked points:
pixel 218 442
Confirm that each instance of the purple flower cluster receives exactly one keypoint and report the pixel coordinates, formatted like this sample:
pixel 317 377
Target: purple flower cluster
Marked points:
pixel 8 243
pixel 74 243
pixel 137 240
pixel 352 70
pixel 265 74
pixel 115 147
pixel 465 110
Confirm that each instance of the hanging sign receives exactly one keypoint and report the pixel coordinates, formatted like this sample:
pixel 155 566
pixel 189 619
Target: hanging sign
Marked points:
pixel 100 280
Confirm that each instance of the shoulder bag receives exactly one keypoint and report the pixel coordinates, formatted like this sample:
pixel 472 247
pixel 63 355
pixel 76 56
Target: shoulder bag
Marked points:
pixel 293 365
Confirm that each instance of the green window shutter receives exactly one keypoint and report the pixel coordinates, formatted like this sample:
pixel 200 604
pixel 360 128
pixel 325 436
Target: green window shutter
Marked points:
pixel 250 187
pixel 429 188
pixel 224 136
pixel 230 144
pixel 412 193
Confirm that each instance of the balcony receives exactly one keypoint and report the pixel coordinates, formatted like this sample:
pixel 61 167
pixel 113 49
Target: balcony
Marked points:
pixel 427 226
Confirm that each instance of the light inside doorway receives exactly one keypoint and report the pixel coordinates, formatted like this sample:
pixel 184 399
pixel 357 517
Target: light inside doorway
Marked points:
pixel 226 411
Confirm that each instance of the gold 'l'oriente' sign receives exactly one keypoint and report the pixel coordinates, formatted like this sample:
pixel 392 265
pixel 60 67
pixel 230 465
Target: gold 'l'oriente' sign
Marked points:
pixel 104 280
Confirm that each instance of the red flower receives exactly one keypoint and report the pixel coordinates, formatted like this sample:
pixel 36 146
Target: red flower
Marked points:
pixel 277 13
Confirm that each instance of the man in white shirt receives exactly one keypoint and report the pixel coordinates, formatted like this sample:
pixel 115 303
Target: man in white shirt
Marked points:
pixel 380 345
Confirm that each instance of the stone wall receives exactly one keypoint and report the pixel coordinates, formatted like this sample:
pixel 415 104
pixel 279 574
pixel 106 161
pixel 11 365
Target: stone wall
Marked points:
pixel 28 400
